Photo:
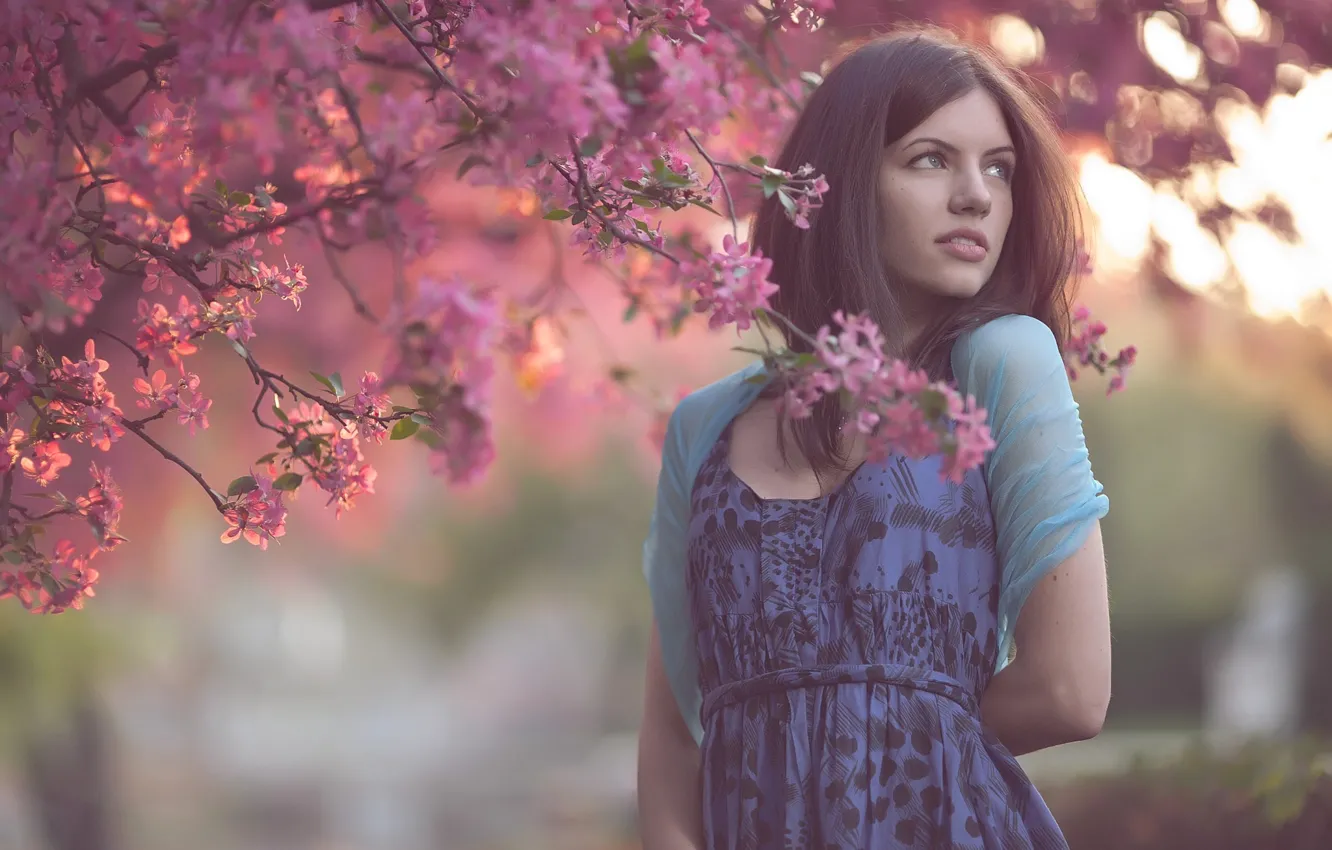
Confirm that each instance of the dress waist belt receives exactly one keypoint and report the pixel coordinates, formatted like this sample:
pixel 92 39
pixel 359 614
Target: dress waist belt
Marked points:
pixel 796 678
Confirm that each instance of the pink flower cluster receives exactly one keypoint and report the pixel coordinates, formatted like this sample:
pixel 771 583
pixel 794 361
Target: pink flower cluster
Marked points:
pixel 800 193
pixel 1085 349
pixel 257 515
pixel 71 402
pixel 329 452
pixel 183 396
pixel 627 79
pixel 900 410
pixel 731 284
pixel 445 338
pixel 581 106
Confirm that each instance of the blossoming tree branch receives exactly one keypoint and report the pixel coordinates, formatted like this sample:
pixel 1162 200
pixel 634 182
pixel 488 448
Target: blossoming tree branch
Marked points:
pixel 120 119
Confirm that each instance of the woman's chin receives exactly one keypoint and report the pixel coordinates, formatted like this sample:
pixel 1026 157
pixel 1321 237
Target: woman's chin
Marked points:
pixel 960 286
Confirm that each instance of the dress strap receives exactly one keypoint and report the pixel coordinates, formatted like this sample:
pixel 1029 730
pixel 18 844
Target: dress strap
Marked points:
pixel 796 678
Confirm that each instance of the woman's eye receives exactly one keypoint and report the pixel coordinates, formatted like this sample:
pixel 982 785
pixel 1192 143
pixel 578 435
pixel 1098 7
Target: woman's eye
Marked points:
pixel 1002 170
pixel 929 160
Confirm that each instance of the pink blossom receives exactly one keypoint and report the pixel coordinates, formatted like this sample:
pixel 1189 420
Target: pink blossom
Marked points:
pixel 899 409
pixel 257 516
pixel 1085 349
pixel 731 284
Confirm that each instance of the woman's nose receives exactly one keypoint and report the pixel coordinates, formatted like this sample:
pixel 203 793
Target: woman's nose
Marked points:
pixel 970 196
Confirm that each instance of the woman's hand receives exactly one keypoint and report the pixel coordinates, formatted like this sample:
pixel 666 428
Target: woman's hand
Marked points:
pixel 670 808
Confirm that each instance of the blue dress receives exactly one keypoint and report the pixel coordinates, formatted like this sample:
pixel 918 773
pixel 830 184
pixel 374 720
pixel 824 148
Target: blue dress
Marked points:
pixel 843 643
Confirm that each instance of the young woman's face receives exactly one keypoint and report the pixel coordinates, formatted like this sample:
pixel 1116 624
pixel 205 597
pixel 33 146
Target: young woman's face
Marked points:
pixel 946 196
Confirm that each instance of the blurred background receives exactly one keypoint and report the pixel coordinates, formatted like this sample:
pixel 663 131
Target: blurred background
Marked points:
pixel 463 669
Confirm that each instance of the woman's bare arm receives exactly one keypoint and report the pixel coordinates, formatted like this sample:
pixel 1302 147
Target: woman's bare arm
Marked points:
pixel 1057 689
pixel 670 813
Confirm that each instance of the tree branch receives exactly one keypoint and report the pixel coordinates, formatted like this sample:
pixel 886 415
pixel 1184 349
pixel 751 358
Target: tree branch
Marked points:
pixel 439 74
pixel 142 434
pixel 726 190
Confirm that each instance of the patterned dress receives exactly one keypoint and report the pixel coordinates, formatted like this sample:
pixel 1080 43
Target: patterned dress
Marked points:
pixel 843 643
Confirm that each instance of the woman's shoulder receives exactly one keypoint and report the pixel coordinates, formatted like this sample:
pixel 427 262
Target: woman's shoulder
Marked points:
pixel 1011 332
pixel 1009 347
pixel 721 399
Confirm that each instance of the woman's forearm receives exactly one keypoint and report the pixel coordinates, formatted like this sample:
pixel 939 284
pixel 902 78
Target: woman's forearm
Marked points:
pixel 670 814
pixel 1027 713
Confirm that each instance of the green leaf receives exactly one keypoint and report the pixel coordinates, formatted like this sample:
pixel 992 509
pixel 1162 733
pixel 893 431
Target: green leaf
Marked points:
pixel 535 160
pixel 280 415
pixel 771 183
pixel 336 380
pixel 787 202
pixel 638 53
pixel 220 187
pixel 404 429
pixel 472 161
pixel 240 199
pixel 268 458
pixel 288 481
pixel 591 146
pixel 244 484
pixel 430 437
pixel 632 311
pixel 756 379
pixel 557 215
pixel 579 217
pixel 759 160
pixel 325 381
pixel 704 205
pixel 420 418
pixel 681 316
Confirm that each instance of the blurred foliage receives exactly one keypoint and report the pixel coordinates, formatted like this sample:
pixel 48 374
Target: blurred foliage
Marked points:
pixel 1187 473
pixel 576 534
pixel 1206 490
pixel 47 666
pixel 579 532
pixel 1266 796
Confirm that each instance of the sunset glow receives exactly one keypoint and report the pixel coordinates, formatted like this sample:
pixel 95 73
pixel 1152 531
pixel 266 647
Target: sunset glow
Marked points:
pixel 1283 153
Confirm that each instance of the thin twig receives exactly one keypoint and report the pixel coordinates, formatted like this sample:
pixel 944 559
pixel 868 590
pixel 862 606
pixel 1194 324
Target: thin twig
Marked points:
pixel 726 190
pixel 139 356
pixel 439 74
pixel 589 206
pixel 757 58
pixel 169 455
pixel 335 266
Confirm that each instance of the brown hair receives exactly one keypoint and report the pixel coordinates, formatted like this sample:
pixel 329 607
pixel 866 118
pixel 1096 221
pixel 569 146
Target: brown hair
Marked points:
pixel 870 100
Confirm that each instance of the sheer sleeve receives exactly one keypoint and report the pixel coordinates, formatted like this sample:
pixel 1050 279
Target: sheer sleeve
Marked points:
pixel 690 434
pixel 664 561
pixel 1043 496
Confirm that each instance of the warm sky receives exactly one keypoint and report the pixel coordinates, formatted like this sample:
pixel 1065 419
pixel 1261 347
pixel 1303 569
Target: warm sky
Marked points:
pixel 1283 152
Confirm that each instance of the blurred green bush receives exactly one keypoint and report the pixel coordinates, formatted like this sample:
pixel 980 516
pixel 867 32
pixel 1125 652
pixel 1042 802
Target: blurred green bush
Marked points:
pixel 1263 797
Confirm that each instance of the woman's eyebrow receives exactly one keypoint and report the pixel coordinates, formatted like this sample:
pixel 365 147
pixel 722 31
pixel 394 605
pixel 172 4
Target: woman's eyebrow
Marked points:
pixel 953 148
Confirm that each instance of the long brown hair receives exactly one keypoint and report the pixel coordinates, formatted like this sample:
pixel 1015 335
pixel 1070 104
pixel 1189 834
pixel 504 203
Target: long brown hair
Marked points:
pixel 870 100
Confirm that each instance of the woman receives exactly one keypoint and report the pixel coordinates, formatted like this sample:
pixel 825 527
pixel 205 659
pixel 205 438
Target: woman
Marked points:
pixel 834 657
